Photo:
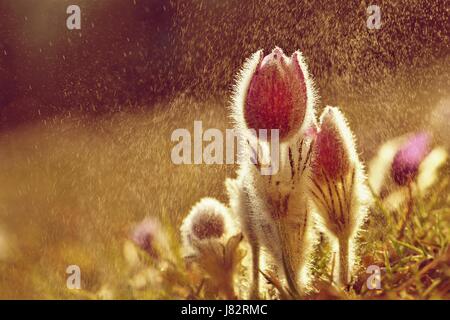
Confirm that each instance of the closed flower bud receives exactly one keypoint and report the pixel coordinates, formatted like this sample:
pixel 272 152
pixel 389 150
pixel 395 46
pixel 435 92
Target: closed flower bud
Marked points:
pixel 332 155
pixel 274 92
pixel 207 220
pixel 210 239
pixel 338 187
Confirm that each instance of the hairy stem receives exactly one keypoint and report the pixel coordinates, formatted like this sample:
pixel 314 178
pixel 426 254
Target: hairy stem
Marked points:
pixel 254 294
pixel 344 262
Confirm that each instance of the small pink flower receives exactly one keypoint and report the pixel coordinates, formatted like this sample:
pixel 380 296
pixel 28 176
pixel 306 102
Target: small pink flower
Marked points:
pixel 408 158
pixel 144 235
pixel 277 94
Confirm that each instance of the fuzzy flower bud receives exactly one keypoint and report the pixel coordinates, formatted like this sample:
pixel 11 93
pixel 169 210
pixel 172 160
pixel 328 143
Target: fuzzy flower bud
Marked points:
pixel 274 92
pixel 207 225
pixel 332 158
pixel 207 220
pixel 210 240
pixel 408 158
pixel 338 189
pixel 276 97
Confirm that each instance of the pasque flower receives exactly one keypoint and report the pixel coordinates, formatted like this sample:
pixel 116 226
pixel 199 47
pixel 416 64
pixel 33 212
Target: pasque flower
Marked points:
pixel 403 170
pixel 338 188
pixel 275 92
pixel 207 220
pixel 408 158
pixel 211 239
pixel 146 234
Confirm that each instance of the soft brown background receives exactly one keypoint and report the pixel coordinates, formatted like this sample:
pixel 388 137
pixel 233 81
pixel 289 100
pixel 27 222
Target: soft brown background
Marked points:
pixel 130 54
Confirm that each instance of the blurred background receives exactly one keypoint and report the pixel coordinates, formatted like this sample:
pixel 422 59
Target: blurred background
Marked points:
pixel 86 115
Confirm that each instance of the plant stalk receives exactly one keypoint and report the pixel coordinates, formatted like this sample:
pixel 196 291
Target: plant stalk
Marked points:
pixel 344 262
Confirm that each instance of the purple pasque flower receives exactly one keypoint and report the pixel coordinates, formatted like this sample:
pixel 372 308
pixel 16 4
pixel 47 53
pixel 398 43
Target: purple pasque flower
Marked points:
pixel 408 158
pixel 144 235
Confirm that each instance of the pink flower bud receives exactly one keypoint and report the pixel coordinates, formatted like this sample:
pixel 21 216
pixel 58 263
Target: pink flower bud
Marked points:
pixel 207 220
pixel 338 190
pixel 144 235
pixel 276 97
pixel 207 225
pixel 408 158
pixel 331 156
